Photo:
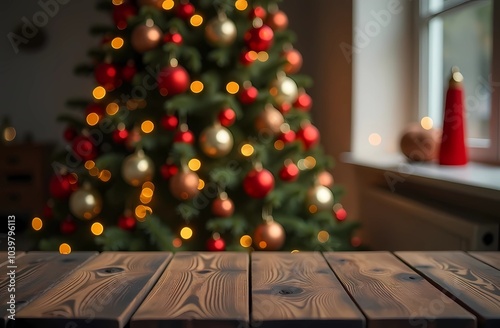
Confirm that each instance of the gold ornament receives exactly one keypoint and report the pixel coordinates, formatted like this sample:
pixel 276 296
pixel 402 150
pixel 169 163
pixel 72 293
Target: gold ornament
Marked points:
pixel 220 31
pixel 284 90
pixel 146 37
pixel 85 203
pixel 184 185
pixel 216 141
pixel 319 198
pixel 137 169
pixel 269 236
pixel 270 120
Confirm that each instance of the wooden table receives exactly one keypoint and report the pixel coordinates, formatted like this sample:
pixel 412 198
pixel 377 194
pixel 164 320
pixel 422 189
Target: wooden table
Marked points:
pixel 306 289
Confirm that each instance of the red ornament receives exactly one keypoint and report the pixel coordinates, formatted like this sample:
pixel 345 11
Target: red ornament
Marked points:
pixel 216 245
pixel 127 223
pixel 341 214
pixel 62 186
pixel 128 71
pixel 227 117
pixel 278 20
pixel 185 10
pixel 258 12
pixel 258 183
pixel 94 108
pixel 309 135
pixel 168 171
pixel 184 136
pixel 169 122
pixel 248 95
pixel 247 58
pixel 287 137
pixel 84 148
pixel 120 136
pixel 303 102
pixel 289 172
pixel 122 13
pixel 68 226
pixel 222 206
pixel 69 134
pixel 259 38
pixel 107 76
pixel 175 38
pixel 173 80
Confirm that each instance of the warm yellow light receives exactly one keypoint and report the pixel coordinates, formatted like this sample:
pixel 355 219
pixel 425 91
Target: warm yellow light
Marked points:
pixel 247 150
pixel 94 171
pixel 105 175
pixel 374 139
pixel 9 133
pixel 117 2
pixel 36 223
pixel 92 119
pixel 309 162
pixel 301 165
pixel 167 4
pixel 194 164
pixel 232 87
pixel 112 108
pixel 97 228
pixel 427 123
pixel 145 200
pixel 99 92
pixel 246 241
pixel 141 211
pixel 148 184
pixel 196 20
pixel 64 248
pixel 177 242
pixel 313 208
pixel 262 245
pixel 186 233
pixel 147 192
pixel 262 56
pixel 90 164
pixel 147 126
pixel 201 184
pixel 241 4
pixel 323 236
pixel 295 251
pixel 117 43
pixel 253 55
pixel 279 145
pixel 196 86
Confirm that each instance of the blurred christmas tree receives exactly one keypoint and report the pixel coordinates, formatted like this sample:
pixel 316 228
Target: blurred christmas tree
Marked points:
pixel 198 136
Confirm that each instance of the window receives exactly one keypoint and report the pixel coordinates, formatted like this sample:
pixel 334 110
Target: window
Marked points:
pixel 462 33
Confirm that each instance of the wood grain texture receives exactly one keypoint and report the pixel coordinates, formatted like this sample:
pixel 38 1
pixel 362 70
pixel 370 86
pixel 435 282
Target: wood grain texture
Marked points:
pixel 199 290
pixel 4 257
pixel 472 283
pixel 299 290
pixel 35 273
pixel 491 258
pixel 392 295
pixel 104 293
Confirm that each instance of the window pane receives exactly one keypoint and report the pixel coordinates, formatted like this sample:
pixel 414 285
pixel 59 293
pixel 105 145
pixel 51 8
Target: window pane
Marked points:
pixel 467 43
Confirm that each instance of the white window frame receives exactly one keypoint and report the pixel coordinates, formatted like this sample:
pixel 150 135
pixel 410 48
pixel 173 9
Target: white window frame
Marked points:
pixel 479 150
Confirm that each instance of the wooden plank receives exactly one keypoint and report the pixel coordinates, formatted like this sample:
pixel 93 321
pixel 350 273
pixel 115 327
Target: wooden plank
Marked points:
pixel 4 257
pixel 35 272
pixel 198 290
pixel 104 293
pixel 392 295
pixel 491 258
pixel 472 283
pixel 299 290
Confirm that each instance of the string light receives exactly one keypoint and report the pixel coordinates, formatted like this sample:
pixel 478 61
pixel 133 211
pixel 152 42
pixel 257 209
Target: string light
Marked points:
pixel 141 211
pixel 253 55
pixel 97 228
pixel 241 4
pixel 196 86
pixel 427 122
pixel 105 175
pixel 117 2
pixel 323 236
pixel 201 184
pixel 168 4
pixel 9 133
pixel 262 56
pixel 312 208
pixel 194 164
pixel 99 92
pixel 246 241
pixel 177 242
pixel 117 43
pixel 147 126
pixel 64 248
pixel 309 162
pixel 232 87
pixel 148 184
pixel 196 20
pixel 147 192
pixel 279 145
pixel 262 245
pixel 37 223
pixel 186 233
pixel 89 164
pixel 94 171
pixel 92 119
pixel 374 139
pixel 247 150
pixel 112 108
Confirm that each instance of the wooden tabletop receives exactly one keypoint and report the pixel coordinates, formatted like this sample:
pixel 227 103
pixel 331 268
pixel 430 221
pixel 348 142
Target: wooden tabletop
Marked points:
pixel 261 289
